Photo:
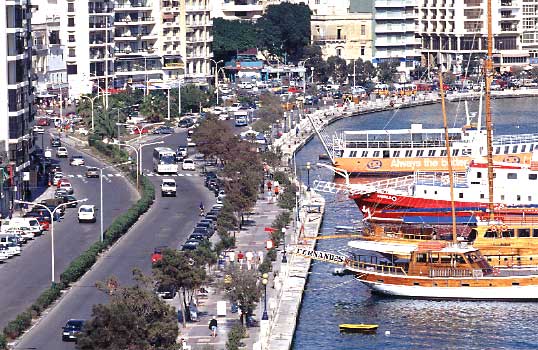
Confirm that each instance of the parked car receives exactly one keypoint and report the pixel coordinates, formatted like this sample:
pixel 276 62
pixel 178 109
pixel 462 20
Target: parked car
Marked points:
pixel 163 130
pixel 61 152
pixel 197 237
pixel 166 292
pixel 83 131
pixel 92 172
pixel 77 160
pixel 157 254
pixel 72 329
pixel 207 226
pixel 190 245
pixel 86 213
pixel 185 123
pixel 188 164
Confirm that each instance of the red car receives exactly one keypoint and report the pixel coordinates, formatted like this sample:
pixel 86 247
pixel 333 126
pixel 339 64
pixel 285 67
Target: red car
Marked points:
pixel 157 254
pixel 43 223
pixel 140 131
pixel 43 122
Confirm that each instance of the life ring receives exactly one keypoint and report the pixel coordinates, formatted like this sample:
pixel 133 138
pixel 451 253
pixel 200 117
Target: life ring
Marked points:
pixel 445 180
pixel 496 272
pixel 394 198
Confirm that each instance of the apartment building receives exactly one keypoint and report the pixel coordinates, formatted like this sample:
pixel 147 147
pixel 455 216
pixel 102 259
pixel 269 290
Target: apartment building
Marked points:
pixel 240 9
pixel 454 33
pixel 394 34
pixel 529 38
pixel 16 109
pixel 120 43
pixel 341 29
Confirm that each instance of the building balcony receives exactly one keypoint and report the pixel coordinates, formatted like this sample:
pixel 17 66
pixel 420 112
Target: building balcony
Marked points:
pixel 134 21
pixel 171 24
pixel 134 6
pixel 123 71
pixel 329 39
pixel 135 52
pixel 200 24
pixel 135 36
pixel 394 3
pixel 232 7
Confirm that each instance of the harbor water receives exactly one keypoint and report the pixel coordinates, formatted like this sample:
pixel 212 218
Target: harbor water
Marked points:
pixel 403 323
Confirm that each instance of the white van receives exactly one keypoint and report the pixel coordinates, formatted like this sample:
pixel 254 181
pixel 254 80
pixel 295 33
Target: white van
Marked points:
pixel 11 242
pixel 30 224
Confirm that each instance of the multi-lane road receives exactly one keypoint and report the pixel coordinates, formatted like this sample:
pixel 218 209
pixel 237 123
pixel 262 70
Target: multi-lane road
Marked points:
pixel 168 223
pixel 23 278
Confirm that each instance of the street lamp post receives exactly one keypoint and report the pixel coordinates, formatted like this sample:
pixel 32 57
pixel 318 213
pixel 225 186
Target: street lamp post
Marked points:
pixel 308 176
pixel 265 316
pixel 137 161
pixel 140 151
pixel 91 99
pixel 284 257
pixel 101 196
pixel 216 77
pixel 51 212
pixel 312 75
pixel 138 128
pixel 178 95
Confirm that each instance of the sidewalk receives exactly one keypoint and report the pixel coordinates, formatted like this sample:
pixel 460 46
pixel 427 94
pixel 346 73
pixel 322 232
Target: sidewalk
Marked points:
pixel 252 237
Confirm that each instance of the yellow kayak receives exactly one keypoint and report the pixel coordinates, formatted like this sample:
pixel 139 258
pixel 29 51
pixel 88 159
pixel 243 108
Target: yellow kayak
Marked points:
pixel 357 327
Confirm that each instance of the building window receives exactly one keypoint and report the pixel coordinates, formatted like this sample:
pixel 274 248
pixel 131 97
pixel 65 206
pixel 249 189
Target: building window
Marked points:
pixel 363 50
pixel 70 7
pixel 71 22
pixel 339 33
pixel 363 29
pixel 339 52
pixel 71 69
pixel 71 52
pixel 71 38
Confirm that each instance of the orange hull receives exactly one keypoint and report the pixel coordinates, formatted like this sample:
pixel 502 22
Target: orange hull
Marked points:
pixel 410 165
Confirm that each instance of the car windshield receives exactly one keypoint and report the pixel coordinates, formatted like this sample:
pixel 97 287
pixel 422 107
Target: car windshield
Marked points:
pixel 168 159
pixel 169 183
pixel 86 210
pixel 74 324
pixel 188 161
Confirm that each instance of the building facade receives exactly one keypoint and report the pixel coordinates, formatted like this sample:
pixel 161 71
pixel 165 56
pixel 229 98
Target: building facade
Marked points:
pixel 16 104
pixel 454 33
pixel 340 32
pixel 240 9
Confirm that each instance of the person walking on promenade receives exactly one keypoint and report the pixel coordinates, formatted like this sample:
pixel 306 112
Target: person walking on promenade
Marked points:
pixel 240 259
pixel 213 326
pixel 250 257
pixel 231 256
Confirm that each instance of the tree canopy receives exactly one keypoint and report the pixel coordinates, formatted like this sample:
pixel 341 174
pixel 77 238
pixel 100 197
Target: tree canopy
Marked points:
pixel 243 289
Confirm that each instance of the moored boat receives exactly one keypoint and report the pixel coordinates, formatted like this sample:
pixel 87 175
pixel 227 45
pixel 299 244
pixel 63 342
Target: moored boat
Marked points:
pixel 357 327
pixel 456 272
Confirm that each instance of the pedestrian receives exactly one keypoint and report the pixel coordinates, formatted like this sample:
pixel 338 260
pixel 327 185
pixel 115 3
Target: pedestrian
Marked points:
pixel 277 190
pixel 260 256
pixel 269 185
pixel 231 256
pixel 297 131
pixel 213 326
pixel 250 257
pixel 240 259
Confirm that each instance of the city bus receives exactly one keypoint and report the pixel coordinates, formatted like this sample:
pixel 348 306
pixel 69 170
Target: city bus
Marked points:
pixel 164 160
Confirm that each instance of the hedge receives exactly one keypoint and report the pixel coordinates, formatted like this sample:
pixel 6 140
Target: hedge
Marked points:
pixel 80 265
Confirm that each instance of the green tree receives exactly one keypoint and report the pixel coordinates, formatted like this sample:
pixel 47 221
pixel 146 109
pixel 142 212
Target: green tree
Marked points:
pixel 214 139
pixel 155 106
pixel 183 270
pixel 364 72
pixel 337 69
pixel 386 71
pixel 293 20
pixel 134 319
pixel 232 36
pixel 193 97
pixel 313 58
pixel 244 289
pixel 270 111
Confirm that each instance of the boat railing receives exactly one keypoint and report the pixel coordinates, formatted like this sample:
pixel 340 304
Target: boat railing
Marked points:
pixel 453 272
pixel 395 144
pixel 514 139
pixel 329 187
pixel 440 178
pixel 402 183
pixel 355 265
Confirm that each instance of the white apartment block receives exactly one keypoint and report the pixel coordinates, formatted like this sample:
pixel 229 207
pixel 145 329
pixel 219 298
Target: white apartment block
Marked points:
pixel 119 43
pixel 16 99
pixel 240 9
pixel 453 32
pixel 395 34
pixel 529 38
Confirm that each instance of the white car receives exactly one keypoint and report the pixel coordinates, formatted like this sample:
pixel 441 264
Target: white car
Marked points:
pixel 77 160
pixel 168 187
pixel 188 164
pixel 86 213
pixel 244 85
pixel 66 186
pixel 57 177
pixel 61 152
pixel 4 255
pixel 38 129
pixel 83 131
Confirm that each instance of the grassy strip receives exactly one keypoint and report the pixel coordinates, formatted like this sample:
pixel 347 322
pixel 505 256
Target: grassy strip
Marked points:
pixel 80 265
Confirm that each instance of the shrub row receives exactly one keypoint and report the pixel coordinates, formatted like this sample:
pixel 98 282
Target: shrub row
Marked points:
pixel 80 265
pixel 237 333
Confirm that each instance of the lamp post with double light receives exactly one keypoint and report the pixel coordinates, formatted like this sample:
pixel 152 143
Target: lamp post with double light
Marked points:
pixel 216 77
pixel 92 100
pixel 51 212
pixel 265 280
pixel 284 257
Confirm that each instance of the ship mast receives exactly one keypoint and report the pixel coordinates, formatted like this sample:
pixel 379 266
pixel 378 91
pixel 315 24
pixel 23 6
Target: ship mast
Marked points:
pixel 489 77
pixel 449 158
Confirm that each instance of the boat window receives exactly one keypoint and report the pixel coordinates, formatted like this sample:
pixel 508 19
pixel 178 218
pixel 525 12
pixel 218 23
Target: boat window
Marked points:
pixel 533 176
pixel 460 195
pixel 364 154
pixel 529 198
pixel 465 152
pixel 531 148
pixel 386 153
pixel 353 154
pixel 524 232
pixel 508 233
pixel 376 154
pixel 408 153
pixel 523 148
pixel 492 234
pixel 443 153
pixel 518 197
pixel 420 153
pixel 431 153
pixel 455 152
pixel 514 149
pixel 396 154
pixel 502 197
pixel 460 259
pixel 506 148
pixel 421 257
pixel 511 176
pixel 479 175
pixel 497 150
pixel 482 196
pixel 445 260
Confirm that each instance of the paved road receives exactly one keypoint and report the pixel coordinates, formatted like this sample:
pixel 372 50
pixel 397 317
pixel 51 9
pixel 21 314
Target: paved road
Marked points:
pixel 23 278
pixel 169 222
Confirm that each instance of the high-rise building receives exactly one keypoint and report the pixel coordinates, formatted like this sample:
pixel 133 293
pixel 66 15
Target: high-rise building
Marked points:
pixel 529 38
pixel 16 108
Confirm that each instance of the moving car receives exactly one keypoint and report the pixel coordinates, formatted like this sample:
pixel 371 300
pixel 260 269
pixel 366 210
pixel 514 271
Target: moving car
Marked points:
pixel 188 164
pixel 67 187
pixel 70 198
pixel 168 187
pixel 61 152
pixel 77 160
pixel 157 254
pixel 38 129
pixel 166 292
pixel 86 213
pixel 55 142
pixel 72 329
pixel 181 153
pixel 43 122
pixel 185 123
pixel 163 130
pixel 92 172
pixel 56 178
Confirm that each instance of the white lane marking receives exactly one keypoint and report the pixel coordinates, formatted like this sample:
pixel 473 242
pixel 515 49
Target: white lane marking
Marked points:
pixel 79 176
pixel 106 178
pixel 149 174
pixel 174 175
pixel 188 174
pixel 71 175
pixel 180 174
